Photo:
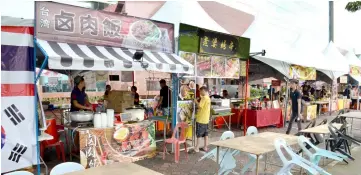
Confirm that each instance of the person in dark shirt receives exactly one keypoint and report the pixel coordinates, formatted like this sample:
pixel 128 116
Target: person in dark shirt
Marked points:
pixel 135 95
pixel 271 93
pixel 79 100
pixel 323 92
pixel 347 92
pixel 164 100
pixel 108 88
pixel 295 96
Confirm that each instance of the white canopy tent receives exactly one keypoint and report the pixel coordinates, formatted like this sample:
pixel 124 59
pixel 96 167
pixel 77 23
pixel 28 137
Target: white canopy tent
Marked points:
pixel 186 12
pixel 353 61
pixel 336 61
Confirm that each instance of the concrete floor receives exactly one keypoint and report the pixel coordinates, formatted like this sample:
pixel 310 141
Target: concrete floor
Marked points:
pixel 205 167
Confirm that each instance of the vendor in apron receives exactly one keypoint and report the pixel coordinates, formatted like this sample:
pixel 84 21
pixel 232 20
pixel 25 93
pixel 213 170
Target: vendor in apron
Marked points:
pixel 79 100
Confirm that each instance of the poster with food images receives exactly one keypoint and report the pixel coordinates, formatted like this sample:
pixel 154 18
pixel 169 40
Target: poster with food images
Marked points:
pixel 218 66
pixel 302 73
pixel 188 56
pixel 187 88
pixel 127 143
pixel 232 68
pixel 185 113
pixel 355 70
pixel 204 66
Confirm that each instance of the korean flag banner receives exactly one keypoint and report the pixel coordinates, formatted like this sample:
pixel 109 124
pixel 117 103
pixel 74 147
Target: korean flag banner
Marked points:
pixel 17 96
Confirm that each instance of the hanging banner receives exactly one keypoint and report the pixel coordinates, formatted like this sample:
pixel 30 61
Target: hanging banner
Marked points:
pixel 218 66
pixel 187 88
pixel 355 70
pixel 243 68
pixel 232 68
pixel 71 24
pixel 18 136
pixel 128 143
pixel 217 43
pixel 302 73
pixel 189 57
pixel 185 114
pixel 204 66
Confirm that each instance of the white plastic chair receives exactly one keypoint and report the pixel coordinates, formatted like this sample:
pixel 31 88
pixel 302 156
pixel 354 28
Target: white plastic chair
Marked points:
pixel 20 173
pixel 251 158
pixel 295 160
pixel 66 167
pixel 226 159
pixel 316 156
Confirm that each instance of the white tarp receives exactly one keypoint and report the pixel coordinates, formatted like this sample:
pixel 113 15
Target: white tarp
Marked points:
pixel 186 12
pixel 336 60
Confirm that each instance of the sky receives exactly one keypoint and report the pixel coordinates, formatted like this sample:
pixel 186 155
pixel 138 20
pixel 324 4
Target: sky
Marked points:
pixel 285 21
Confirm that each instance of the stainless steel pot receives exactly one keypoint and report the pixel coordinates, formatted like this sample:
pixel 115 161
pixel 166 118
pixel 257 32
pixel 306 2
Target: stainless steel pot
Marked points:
pixel 81 116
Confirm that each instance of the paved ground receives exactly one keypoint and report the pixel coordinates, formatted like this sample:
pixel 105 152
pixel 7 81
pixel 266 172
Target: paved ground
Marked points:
pixel 205 167
pixel 353 168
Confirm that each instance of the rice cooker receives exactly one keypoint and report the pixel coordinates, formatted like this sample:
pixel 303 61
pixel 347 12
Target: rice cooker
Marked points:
pixel 137 113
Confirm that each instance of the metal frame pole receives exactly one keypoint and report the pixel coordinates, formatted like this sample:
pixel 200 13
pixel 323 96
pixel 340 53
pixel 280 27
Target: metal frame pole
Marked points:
pixel 245 100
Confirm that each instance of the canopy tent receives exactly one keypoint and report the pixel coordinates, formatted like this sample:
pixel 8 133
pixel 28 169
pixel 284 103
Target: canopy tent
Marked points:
pixel 353 61
pixel 335 60
pixel 67 56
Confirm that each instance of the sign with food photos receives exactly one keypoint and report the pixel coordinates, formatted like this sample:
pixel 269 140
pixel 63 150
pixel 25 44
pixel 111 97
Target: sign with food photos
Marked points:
pixel 217 43
pixel 70 24
pixel 128 143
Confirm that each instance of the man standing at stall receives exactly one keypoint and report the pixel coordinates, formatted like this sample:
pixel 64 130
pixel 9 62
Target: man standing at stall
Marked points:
pixel 295 96
pixel 79 100
pixel 164 100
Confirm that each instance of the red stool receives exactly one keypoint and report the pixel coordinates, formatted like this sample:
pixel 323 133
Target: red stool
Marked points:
pixel 58 144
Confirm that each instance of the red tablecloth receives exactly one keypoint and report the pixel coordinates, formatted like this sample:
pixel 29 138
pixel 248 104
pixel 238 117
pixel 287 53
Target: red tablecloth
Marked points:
pixel 265 117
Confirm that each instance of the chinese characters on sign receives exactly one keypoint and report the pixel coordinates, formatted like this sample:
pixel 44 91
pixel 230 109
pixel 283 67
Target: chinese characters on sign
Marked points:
pixel 69 24
pixel 216 43
pixel 90 151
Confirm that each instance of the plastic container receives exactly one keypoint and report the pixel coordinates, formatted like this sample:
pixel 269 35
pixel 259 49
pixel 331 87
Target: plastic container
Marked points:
pixel 110 117
pixel 97 121
pixel 104 120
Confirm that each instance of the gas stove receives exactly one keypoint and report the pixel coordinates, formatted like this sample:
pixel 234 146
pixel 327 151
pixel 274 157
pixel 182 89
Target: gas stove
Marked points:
pixel 82 124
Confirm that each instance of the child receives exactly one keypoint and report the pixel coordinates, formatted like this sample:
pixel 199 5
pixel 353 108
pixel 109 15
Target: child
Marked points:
pixel 202 118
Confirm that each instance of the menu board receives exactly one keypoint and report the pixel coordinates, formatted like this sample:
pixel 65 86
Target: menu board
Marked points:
pixel 232 68
pixel 204 66
pixel 218 66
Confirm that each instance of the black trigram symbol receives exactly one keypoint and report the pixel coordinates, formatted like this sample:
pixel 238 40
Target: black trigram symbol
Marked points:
pixel 14 114
pixel 17 152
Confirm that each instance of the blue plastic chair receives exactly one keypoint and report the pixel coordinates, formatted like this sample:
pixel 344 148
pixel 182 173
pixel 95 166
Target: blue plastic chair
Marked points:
pixel 227 162
pixel 20 173
pixel 295 160
pixel 66 167
pixel 319 153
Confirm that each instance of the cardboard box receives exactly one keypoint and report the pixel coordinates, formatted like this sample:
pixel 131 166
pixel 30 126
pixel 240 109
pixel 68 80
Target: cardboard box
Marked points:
pixel 119 100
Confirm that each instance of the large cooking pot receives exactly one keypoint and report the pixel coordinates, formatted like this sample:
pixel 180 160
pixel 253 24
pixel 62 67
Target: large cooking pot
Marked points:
pixel 137 113
pixel 81 116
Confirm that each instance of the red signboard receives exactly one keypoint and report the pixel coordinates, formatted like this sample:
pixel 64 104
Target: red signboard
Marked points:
pixel 70 24
pixel 276 82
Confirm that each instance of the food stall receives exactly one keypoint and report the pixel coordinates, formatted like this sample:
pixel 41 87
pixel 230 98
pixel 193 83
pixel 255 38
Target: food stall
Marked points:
pixel 94 40
pixel 217 57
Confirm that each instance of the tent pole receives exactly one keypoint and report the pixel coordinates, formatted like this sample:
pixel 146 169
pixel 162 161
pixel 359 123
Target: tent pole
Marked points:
pixel 286 106
pixel 133 77
pixel 245 100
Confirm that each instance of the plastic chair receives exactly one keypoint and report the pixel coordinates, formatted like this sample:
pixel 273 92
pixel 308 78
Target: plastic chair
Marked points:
pixel 53 130
pixel 316 157
pixel 251 158
pixel 66 167
pixel 227 162
pixel 295 160
pixel 20 173
pixel 177 141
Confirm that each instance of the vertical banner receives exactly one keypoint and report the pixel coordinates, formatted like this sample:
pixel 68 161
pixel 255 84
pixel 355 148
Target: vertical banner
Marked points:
pixel 17 98
pixel 185 111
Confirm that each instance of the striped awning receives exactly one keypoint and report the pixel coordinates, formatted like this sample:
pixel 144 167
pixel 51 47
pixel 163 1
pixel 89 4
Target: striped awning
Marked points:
pixel 67 56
